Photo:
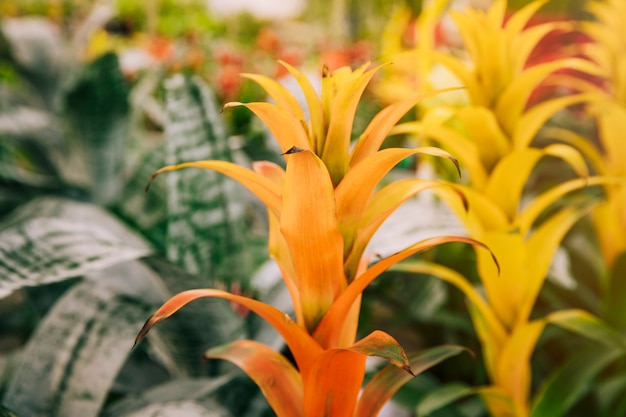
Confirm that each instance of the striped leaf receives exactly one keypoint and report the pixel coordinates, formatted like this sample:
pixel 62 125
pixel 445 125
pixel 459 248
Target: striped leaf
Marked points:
pixel 51 239
pixel 207 230
pixel 72 359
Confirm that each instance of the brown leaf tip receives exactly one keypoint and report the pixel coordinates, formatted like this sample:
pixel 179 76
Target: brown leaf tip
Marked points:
pixel 144 330
pixel 326 71
pixel 408 369
pixel 293 149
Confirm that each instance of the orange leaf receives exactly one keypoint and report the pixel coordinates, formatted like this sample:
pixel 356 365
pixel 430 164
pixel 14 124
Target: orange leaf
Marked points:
pixel 315 245
pixel 279 381
pixel 267 191
pixel 381 205
pixel 328 329
pixel 354 191
pixel 303 347
pixel 332 387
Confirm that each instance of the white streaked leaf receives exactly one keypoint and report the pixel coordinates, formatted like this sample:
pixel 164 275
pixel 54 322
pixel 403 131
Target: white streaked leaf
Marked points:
pixel 52 239
pixel 72 359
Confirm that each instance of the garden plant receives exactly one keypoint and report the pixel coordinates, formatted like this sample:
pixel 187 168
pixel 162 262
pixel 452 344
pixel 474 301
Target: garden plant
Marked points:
pixel 425 221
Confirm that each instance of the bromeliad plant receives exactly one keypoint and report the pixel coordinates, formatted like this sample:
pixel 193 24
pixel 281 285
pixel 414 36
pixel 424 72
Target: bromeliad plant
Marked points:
pixel 323 209
pixel 492 137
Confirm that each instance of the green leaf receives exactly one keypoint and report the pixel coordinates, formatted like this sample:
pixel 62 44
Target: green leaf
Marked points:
pixel 616 294
pixel 589 326
pixel 441 397
pixel 97 107
pixel 50 240
pixel 570 382
pixel 207 227
pixel 5 412
pixel 179 390
pixel 390 379
pixel 73 358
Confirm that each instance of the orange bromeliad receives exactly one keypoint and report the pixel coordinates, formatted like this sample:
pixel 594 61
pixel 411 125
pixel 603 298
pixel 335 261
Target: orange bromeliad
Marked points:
pixel 323 209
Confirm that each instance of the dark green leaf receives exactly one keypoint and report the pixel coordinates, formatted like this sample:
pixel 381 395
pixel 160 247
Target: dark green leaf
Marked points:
pixel 616 294
pixel 98 108
pixel 572 380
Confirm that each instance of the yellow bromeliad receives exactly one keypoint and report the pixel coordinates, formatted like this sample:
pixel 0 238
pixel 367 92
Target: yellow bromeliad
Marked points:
pixel 492 137
pixel 609 52
pixel 323 209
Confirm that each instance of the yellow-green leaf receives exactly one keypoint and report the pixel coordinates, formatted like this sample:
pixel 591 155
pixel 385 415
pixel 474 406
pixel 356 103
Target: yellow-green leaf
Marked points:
pixel 390 379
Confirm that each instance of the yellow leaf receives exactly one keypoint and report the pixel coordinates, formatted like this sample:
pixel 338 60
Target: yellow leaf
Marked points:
pixel 287 129
pixel 513 372
pixel 280 94
pixel 316 112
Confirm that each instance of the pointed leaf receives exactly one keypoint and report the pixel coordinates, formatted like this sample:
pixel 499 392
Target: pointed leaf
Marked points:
pixel 354 191
pixel 287 129
pixel 507 180
pixel 589 326
pixel 327 330
pixel 279 381
pixel 315 245
pixel 513 100
pixel 461 283
pixel 542 246
pixel 279 93
pixel 539 204
pixel 335 153
pixel 390 379
pixel 530 123
pixel 381 205
pixel 572 380
pixel 372 138
pixel 464 149
pixel 381 344
pixel 267 191
pixel 301 344
pixel 316 112
pixel 441 397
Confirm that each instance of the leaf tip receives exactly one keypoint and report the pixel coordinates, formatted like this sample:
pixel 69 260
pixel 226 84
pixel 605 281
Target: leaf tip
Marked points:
pixel 144 330
pixel 293 149
pixel 408 369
